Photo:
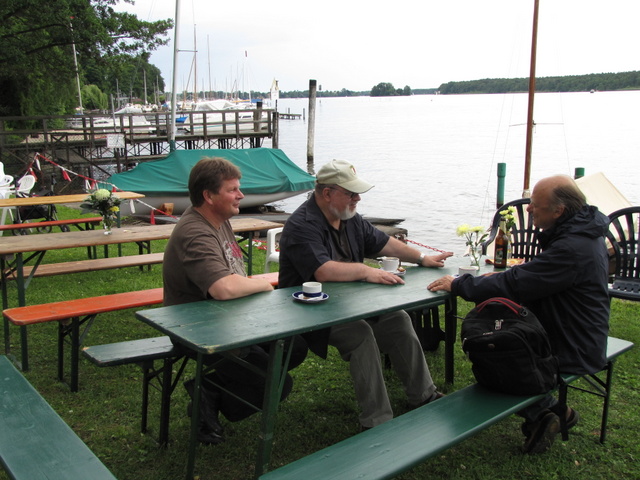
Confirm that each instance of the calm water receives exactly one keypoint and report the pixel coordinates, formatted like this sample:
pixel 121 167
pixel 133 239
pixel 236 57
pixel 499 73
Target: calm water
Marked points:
pixel 433 159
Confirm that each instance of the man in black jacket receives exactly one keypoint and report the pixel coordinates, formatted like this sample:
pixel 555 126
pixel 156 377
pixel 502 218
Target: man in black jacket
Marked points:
pixel 565 286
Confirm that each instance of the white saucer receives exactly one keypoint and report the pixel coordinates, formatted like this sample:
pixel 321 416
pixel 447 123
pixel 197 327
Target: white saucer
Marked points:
pixel 300 297
pixel 399 273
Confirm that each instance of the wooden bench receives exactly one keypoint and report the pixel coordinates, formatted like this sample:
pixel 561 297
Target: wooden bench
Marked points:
pixel 64 225
pixel 36 444
pixel 408 440
pixel 73 314
pixel 144 352
pixel 94 264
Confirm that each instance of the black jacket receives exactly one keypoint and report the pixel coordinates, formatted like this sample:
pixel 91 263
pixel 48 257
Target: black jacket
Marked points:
pixel 565 286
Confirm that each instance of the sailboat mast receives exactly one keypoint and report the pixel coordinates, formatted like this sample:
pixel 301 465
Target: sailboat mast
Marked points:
pixel 172 127
pixel 532 88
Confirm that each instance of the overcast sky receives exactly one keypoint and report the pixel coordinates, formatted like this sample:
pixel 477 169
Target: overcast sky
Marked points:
pixel 355 45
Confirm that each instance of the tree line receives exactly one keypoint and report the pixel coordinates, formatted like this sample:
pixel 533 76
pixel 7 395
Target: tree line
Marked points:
pixel 574 83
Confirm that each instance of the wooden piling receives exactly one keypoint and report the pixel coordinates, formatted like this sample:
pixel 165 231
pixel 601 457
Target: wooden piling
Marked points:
pixel 311 126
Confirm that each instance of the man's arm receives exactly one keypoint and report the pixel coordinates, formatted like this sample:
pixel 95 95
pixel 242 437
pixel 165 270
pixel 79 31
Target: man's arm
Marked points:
pixel 236 286
pixel 333 271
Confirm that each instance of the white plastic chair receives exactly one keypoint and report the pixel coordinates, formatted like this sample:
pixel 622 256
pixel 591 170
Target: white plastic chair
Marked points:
pixel 273 255
pixel 5 193
pixel 25 185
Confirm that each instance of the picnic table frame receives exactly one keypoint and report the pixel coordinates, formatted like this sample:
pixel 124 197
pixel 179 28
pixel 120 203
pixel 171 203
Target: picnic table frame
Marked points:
pixel 36 246
pixel 211 326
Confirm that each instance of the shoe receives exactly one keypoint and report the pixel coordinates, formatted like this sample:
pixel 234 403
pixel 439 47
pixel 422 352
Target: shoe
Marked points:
pixel 572 420
pixel 435 396
pixel 209 438
pixel 543 433
pixel 208 410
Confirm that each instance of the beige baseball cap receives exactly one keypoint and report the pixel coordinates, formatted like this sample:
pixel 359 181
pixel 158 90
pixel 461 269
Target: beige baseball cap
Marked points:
pixel 343 174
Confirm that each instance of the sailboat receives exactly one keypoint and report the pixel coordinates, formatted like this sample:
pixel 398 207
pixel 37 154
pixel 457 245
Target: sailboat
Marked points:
pixel 597 187
pixel 268 175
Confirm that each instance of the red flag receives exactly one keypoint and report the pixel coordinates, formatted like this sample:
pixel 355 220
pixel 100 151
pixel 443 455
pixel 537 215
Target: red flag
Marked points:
pixel 153 216
pixel 65 175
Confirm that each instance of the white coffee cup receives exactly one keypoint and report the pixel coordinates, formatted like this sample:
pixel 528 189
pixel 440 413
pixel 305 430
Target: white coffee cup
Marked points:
pixel 312 289
pixel 473 270
pixel 390 264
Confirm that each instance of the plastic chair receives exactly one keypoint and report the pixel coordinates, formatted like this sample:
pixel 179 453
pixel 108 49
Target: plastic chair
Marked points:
pixel 524 235
pixel 25 185
pixel 624 251
pixel 5 193
pixel 273 255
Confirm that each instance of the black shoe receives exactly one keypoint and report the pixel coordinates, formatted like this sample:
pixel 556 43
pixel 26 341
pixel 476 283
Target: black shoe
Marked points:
pixel 209 438
pixel 435 396
pixel 208 410
pixel 572 421
pixel 543 433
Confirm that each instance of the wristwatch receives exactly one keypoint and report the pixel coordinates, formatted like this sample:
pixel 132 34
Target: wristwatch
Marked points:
pixel 421 257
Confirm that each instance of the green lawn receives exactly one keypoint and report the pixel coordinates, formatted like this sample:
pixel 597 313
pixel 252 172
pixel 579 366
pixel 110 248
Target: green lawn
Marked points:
pixel 320 411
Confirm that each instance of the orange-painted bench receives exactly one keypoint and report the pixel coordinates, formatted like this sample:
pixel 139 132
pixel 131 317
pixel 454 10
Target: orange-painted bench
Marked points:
pixel 72 314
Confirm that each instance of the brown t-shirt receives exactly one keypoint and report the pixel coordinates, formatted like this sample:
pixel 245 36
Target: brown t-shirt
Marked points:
pixel 197 255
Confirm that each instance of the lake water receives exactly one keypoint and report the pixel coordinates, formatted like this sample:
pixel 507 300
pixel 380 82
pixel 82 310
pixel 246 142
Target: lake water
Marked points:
pixel 433 159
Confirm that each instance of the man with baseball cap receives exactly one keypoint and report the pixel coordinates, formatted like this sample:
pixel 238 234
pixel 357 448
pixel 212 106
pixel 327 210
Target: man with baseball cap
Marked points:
pixel 326 240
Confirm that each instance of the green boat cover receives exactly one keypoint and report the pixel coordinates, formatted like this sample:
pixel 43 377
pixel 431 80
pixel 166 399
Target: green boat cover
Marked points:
pixel 264 170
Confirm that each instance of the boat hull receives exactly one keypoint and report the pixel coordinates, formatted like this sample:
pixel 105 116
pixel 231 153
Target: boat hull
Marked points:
pixel 144 205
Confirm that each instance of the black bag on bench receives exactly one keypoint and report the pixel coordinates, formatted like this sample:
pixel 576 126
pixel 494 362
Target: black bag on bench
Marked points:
pixel 509 348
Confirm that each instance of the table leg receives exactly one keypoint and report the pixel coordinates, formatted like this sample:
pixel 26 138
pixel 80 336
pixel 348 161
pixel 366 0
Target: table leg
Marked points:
pixel 195 417
pixel 272 393
pixel 450 331
pixel 5 304
pixel 250 254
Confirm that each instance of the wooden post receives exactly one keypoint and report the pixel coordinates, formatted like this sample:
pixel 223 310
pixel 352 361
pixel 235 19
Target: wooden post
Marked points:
pixel 502 173
pixel 311 126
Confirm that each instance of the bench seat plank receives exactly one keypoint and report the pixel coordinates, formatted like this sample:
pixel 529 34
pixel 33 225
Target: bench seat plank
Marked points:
pixel 132 351
pixel 35 442
pixel 82 266
pixel 51 223
pixel 59 311
pixel 402 443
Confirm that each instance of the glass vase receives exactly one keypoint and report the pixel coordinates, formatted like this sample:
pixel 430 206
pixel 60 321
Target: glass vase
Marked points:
pixel 475 254
pixel 107 223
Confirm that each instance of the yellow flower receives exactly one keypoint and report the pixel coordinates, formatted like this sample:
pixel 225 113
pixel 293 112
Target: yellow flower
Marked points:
pixel 463 229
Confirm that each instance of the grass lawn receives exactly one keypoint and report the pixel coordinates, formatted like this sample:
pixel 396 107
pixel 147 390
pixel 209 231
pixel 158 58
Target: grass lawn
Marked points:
pixel 320 411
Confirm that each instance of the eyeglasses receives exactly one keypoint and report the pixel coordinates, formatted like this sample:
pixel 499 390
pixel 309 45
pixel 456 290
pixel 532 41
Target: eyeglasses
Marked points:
pixel 346 192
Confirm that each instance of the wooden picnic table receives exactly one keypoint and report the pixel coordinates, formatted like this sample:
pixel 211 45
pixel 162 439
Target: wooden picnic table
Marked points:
pixel 17 252
pixel 219 327
pixel 58 199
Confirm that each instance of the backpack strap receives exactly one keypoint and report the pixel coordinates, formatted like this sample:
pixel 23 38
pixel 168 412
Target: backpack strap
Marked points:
pixel 510 304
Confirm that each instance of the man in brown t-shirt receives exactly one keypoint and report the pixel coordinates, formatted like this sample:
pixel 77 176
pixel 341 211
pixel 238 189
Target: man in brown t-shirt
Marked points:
pixel 203 261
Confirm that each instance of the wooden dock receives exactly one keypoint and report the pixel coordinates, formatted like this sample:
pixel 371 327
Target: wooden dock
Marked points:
pixel 89 146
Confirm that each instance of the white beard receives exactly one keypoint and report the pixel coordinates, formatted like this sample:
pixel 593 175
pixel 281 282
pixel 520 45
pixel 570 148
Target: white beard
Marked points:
pixel 343 215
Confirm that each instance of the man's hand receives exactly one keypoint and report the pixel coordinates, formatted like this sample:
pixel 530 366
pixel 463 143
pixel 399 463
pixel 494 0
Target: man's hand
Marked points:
pixel 443 283
pixel 377 275
pixel 436 260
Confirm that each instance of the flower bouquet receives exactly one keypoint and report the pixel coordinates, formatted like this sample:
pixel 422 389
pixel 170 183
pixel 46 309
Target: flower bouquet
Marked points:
pixel 508 215
pixel 474 237
pixel 105 203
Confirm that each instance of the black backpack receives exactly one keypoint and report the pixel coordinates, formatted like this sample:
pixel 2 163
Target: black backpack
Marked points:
pixel 509 348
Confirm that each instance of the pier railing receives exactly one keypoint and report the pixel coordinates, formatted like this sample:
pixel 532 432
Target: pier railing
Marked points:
pixel 86 142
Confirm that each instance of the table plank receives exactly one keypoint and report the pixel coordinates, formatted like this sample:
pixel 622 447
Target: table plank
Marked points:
pixel 58 199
